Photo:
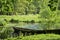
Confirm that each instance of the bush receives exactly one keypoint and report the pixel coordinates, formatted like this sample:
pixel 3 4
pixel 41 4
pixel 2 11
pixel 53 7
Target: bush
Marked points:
pixel 14 21
pixel 2 22
pixel 6 32
pixel 7 7
pixel 32 21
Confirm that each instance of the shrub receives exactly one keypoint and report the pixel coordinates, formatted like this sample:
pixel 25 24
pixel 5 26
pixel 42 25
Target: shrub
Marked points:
pixel 14 21
pixel 7 7
pixel 32 21
pixel 6 32
pixel 2 22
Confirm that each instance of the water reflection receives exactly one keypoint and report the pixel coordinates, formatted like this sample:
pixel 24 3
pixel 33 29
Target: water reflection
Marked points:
pixel 34 26
pixel 37 26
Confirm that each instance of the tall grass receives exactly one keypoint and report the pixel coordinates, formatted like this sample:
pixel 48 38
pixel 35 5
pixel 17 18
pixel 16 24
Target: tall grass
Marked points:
pixel 37 37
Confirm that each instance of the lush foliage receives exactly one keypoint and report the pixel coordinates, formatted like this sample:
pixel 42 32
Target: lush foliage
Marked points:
pixel 38 37
pixel 6 7
pixel 45 12
pixel 6 32
pixel 10 7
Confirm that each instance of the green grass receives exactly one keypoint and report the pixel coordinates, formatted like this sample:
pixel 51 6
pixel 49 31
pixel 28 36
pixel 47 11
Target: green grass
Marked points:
pixel 18 19
pixel 37 37
pixel 21 17
pixel 36 18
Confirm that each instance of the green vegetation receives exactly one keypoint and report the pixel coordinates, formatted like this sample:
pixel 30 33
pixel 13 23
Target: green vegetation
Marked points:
pixel 20 7
pixel 22 12
pixel 2 22
pixel 6 32
pixel 37 37
pixel 6 7
pixel 21 17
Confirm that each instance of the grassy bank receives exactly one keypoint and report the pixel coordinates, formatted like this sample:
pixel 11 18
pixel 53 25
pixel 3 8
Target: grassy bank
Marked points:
pixel 37 37
pixel 53 22
pixel 21 17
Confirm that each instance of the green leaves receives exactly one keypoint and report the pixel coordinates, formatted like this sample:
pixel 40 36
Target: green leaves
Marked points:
pixel 6 6
pixel 53 5
pixel 2 22
pixel 27 6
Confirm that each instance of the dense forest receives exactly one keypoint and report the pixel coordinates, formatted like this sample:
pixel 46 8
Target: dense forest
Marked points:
pixel 43 13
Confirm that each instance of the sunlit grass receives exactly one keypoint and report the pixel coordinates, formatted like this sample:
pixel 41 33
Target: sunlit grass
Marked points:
pixel 21 17
pixel 37 37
